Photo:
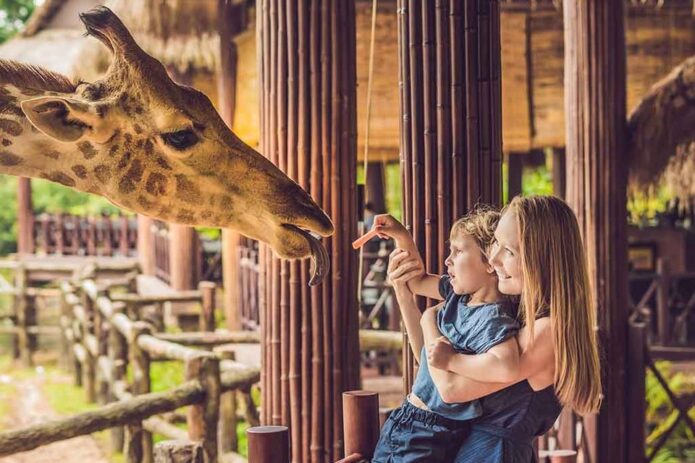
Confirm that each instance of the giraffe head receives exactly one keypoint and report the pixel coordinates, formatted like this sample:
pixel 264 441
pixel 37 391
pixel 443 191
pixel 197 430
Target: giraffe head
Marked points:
pixel 159 148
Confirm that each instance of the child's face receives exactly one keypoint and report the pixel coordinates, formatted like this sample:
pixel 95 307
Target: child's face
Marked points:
pixel 466 267
pixel 505 256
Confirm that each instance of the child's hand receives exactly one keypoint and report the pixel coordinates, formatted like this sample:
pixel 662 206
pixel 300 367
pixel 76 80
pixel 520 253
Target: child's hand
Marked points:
pixel 439 353
pixel 389 227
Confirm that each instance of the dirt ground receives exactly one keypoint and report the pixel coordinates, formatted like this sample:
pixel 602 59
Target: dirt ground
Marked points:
pixel 30 406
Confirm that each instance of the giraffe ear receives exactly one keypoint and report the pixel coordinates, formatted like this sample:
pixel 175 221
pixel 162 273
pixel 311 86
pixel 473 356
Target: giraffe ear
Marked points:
pixel 64 119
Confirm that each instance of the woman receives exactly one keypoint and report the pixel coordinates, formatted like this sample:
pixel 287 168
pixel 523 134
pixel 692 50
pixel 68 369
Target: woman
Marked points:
pixel 539 257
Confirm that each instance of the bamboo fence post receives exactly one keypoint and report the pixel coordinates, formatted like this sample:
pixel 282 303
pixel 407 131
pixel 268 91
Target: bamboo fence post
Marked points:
pixel 138 440
pixel 227 437
pixel 66 360
pixel 88 329
pixel 636 393
pixel 207 315
pixel 309 348
pixel 202 418
pixel 22 317
pixel 171 451
pixel 269 444
pixel 361 422
pixel 118 354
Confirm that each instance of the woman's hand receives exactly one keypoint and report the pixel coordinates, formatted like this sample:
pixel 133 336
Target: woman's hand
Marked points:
pixel 439 353
pixel 403 268
pixel 388 227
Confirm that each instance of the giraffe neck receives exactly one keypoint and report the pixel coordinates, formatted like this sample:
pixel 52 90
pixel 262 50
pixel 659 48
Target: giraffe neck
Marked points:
pixel 27 152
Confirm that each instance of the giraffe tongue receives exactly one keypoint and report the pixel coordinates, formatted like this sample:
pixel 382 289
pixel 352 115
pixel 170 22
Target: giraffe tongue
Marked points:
pixel 319 257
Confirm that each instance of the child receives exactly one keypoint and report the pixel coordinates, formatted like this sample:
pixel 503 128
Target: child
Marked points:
pixel 475 318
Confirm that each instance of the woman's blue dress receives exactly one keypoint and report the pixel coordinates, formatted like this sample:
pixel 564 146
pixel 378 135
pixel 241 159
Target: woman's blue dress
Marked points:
pixel 511 419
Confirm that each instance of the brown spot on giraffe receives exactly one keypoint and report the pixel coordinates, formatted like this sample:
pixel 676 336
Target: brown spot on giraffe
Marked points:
pixel 185 216
pixel 129 182
pixel 53 154
pixel 137 128
pixel 80 171
pixel 87 149
pixel 144 202
pixel 59 177
pixel 125 159
pixel 11 127
pixel 186 190
pixel 102 172
pixel 113 150
pixel 6 142
pixel 9 159
pixel 161 162
pixel 156 184
pixel 149 147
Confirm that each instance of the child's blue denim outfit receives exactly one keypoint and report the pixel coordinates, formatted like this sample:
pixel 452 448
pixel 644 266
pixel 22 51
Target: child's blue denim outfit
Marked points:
pixel 414 435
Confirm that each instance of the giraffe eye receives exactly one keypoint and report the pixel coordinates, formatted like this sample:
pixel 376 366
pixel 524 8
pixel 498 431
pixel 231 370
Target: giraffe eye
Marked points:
pixel 181 139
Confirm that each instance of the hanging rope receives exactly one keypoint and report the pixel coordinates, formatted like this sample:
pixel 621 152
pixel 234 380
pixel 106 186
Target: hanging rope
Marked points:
pixel 366 142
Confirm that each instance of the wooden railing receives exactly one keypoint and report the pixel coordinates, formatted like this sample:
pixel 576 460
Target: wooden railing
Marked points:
pixel 71 235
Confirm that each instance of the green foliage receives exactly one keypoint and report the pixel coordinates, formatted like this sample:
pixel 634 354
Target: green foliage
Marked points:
pixel 8 215
pixel 13 15
pixel 643 207
pixel 660 415
pixel 537 181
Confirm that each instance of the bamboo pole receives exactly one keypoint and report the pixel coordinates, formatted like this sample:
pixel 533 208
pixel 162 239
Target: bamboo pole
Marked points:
pixel 596 189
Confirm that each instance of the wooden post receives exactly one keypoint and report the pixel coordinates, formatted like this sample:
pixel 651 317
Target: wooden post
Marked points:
pixel 25 217
pixel 171 451
pixel 636 413
pixel 207 314
pixel 89 365
pixel 663 318
pixel 307 83
pixel 22 317
pixel 182 256
pixel 227 437
pixel 65 360
pixel 361 422
pixel 269 444
pixel 515 170
pixel 146 244
pixel 596 190
pixel 230 22
pixel 118 355
pixel 375 187
pixel 559 172
pixel 202 418
pixel 139 441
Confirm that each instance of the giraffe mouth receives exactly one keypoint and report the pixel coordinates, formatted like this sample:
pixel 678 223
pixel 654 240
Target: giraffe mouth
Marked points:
pixel 321 264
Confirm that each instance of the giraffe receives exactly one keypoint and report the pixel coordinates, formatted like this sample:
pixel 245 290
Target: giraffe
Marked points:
pixel 151 146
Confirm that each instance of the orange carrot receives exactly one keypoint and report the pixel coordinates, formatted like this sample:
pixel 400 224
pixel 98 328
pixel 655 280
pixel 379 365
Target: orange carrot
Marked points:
pixel 361 241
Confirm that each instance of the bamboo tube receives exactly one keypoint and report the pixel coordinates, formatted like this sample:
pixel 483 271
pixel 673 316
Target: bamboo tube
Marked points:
pixel 361 416
pixel 443 129
pixel 268 444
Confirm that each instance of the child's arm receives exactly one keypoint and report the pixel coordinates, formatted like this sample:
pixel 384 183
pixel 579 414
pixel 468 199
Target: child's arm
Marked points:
pixel 425 284
pixel 499 364
pixel 410 313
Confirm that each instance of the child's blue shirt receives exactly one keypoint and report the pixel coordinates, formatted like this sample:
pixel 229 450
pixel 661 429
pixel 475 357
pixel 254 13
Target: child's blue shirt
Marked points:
pixel 471 330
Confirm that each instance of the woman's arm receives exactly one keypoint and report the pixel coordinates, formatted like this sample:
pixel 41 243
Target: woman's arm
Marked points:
pixel 536 357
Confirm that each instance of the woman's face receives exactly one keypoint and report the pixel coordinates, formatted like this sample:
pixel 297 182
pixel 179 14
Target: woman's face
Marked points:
pixel 505 256
pixel 466 267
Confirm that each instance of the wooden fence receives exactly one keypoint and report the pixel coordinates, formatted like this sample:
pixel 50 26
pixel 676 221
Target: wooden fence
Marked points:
pixel 72 235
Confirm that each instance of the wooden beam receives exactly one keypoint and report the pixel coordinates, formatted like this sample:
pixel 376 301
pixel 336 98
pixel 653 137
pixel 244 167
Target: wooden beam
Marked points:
pixel 25 217
pixel 146 244
pixel 183 262
pixel 596 190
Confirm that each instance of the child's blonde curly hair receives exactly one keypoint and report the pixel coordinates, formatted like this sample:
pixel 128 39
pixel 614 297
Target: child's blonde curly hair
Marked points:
pixel 480 224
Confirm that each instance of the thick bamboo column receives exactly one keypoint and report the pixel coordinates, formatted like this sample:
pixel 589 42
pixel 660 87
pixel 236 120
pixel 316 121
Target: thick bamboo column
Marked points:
pixel 25 217
pixel 231 20
pixel 375 191
pixel 559 172
pixel 182 257
pixel 310 345
pixel 451 130
pixel 596 189
pixel 515 171
pixel 145 244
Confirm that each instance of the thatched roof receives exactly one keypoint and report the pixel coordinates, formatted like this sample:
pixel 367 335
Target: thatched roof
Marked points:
pixel 182 34
pixel 53 38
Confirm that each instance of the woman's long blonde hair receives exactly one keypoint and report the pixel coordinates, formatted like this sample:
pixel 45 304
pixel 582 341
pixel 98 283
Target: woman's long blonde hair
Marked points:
pixel 556 279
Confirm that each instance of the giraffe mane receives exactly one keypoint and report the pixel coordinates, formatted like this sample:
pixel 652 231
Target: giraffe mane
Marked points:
pixel 30 76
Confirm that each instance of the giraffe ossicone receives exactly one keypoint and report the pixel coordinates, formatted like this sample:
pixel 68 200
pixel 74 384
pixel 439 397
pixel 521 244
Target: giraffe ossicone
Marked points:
pixel 151 146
